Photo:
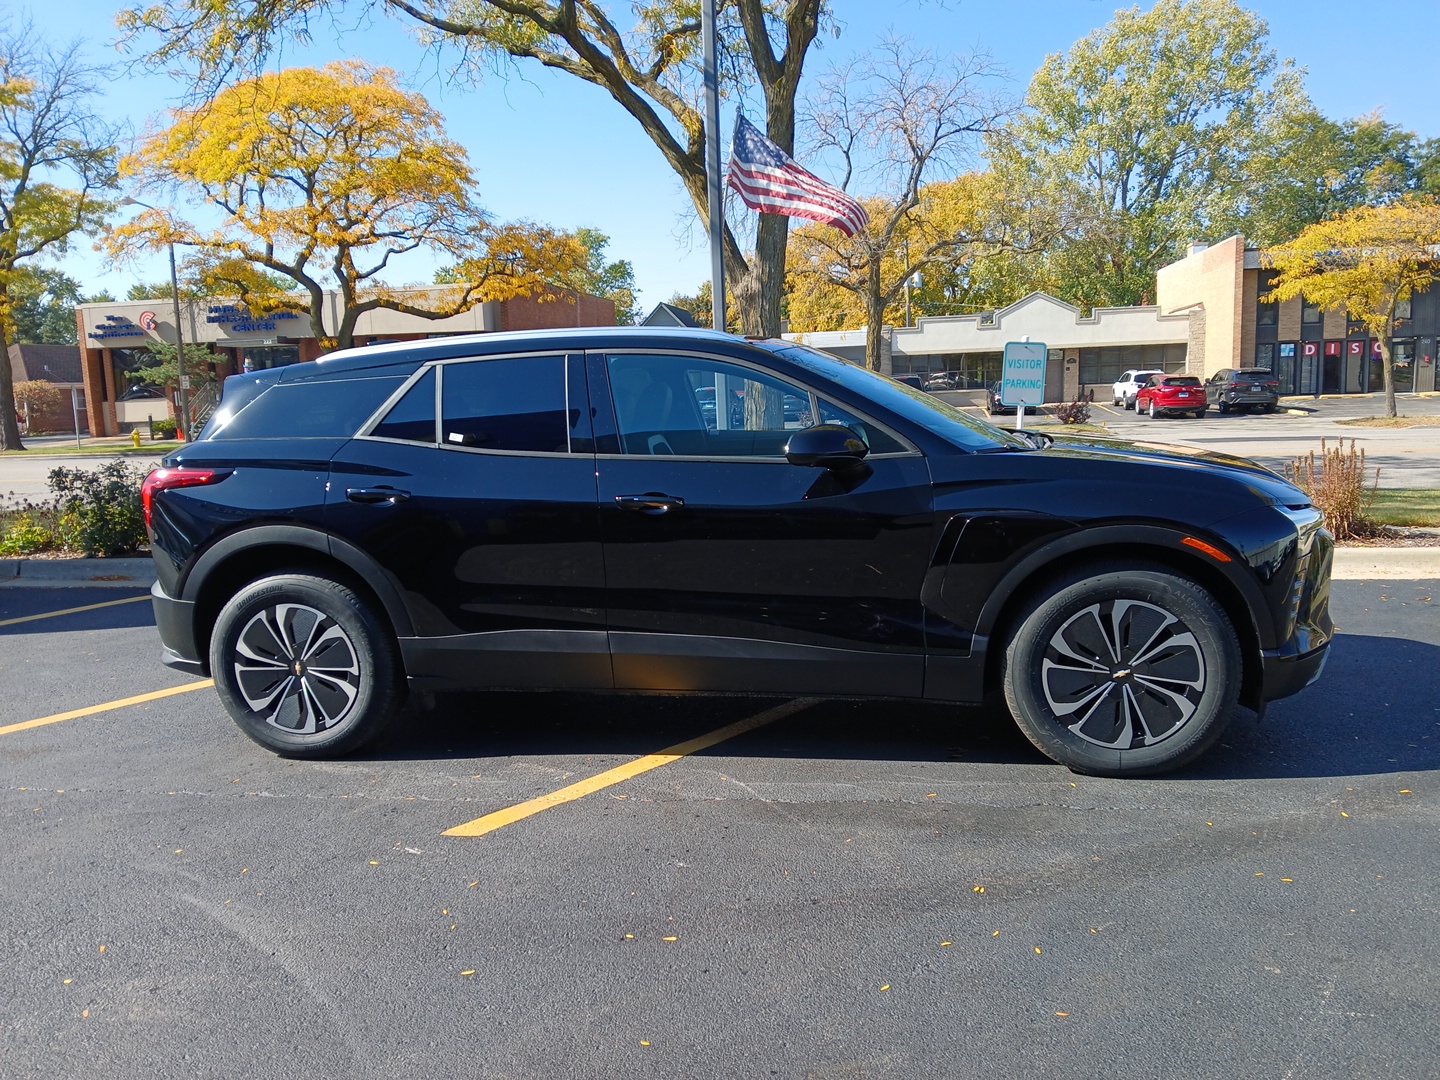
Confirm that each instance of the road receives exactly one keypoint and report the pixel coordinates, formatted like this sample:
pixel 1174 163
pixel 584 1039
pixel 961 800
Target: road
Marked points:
pixel 854 890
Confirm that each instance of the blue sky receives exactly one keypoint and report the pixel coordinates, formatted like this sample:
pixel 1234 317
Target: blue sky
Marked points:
pixel 549 148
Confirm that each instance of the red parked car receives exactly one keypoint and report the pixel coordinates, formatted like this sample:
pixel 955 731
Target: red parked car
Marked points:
pixel 1170 394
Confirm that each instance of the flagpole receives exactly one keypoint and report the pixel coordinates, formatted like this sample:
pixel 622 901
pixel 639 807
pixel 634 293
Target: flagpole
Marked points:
pixel 712 165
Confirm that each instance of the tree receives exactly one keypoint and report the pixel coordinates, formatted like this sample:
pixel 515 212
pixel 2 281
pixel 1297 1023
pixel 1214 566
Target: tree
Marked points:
pixel 332 173
pixel 34 396
pixel 43 303
pixel 56 160
pixel 1142 135
pixel 1317 168
pixel 611 280
pixel 1366 260
pixel 649 69
pixel 897 119
pixel 164 366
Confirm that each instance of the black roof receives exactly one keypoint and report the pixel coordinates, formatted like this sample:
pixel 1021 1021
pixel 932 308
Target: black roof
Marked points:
pixel 571 338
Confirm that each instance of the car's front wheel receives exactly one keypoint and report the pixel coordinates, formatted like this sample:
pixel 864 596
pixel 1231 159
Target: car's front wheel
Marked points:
pixel 305 666
pixel 1123 672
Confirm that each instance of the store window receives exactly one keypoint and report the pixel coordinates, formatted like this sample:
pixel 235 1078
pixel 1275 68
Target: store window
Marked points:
pixel 1310 314
pixel 263 357
pixel 1402 359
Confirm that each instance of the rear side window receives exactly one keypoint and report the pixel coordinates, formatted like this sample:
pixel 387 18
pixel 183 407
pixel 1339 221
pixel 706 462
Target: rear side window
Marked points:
pixel 412 418
pixel 315 409
pixel 516 403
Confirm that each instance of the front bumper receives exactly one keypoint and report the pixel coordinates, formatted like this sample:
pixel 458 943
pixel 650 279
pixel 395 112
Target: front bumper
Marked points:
pixel 175 619
pixel 1285 673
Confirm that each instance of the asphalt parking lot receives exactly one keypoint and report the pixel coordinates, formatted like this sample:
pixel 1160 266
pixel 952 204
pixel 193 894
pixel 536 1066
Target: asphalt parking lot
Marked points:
pixel 849 890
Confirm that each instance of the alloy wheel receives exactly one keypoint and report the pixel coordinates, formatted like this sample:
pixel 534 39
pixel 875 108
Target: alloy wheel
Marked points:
pixel 1123 674
pixel 297 668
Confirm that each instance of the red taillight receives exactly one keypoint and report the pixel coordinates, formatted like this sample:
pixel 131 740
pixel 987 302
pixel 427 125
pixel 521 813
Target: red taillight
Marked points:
pixel 164 479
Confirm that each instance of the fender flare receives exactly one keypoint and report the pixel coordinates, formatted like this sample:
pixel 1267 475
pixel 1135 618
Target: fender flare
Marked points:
pixel 342 551
pixel 1128 535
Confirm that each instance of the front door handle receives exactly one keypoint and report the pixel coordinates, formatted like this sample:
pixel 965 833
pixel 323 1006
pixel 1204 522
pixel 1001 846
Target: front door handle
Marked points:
pixel 376 495
pixel 652 502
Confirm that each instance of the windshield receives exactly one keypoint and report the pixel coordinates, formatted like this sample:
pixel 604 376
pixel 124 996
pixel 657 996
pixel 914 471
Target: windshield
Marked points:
pixel 926 410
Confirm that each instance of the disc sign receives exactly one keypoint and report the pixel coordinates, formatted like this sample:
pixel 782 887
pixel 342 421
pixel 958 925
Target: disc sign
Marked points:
pixel 1022 380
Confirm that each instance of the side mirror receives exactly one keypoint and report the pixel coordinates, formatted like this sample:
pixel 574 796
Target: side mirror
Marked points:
pixel 826 446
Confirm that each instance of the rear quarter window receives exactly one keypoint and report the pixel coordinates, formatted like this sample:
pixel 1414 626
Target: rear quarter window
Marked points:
pixel 318 409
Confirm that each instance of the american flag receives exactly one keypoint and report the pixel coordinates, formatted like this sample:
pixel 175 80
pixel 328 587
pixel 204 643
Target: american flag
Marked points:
pixel 768 180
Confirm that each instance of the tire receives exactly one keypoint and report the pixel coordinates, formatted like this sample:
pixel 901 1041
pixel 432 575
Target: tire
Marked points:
pixel 1129 403
pixel 1224 409
pixel 1268 408
pixel 1152 408
pixel 1116 400
pixel 349 685
pixel 1172 704
pixel 1201 414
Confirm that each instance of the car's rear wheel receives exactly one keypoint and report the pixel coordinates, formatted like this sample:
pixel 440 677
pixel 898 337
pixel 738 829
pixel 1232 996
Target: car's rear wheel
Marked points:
pixel 1224 409
pixel 1152 408
pixel 305 666
pixel 1268 408
pixel 1123 672
pixel 1200 414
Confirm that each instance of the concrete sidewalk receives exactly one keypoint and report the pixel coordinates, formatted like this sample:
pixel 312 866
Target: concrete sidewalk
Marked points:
pixel 1351 564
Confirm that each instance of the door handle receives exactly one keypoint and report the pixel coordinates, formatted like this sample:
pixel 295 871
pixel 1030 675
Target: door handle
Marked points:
pixel 376 495
pixel 652 502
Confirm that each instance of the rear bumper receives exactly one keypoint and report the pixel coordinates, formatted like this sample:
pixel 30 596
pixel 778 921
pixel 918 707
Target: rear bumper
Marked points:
pixel 175 619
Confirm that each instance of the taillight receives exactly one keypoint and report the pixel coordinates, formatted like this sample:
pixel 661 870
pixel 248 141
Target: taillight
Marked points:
pixel 164 479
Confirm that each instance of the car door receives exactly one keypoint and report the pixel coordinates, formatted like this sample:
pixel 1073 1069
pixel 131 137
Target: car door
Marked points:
pixel 475 490
pixel 729 569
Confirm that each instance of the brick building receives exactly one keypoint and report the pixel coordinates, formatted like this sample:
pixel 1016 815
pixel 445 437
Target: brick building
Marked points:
pixel 59 365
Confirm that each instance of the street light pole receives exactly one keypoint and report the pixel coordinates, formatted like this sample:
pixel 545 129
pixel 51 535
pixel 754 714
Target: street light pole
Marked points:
pixel 184 425
pixel 180 351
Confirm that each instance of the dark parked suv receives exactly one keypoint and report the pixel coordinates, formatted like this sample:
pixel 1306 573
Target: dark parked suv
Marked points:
pixel 569 510
pixel 1246 388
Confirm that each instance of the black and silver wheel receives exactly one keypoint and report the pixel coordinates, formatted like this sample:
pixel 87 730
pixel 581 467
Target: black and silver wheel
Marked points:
pixel 1121 672
pixel 305 667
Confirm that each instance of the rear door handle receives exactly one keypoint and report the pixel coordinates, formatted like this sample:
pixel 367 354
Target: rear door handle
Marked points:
pixel 652 502
pixel 376 495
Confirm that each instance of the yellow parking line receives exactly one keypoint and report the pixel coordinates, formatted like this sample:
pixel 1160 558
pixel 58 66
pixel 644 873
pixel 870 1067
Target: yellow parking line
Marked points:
pixel 73 610
pixel 75 714
pixel 500 818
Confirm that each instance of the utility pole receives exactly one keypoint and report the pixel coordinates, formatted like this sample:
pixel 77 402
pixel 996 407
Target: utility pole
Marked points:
pixel 184 426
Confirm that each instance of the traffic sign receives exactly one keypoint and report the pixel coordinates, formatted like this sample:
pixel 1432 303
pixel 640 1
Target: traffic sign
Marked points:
pixel 1022 379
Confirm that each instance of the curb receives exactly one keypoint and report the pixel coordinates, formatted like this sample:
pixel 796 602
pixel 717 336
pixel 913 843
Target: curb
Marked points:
pixel 132 573
pixel 1367 563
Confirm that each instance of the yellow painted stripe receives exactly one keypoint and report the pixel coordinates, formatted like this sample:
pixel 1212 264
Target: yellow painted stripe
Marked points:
pixel 500 818
pixel 75 714
pixel 73 610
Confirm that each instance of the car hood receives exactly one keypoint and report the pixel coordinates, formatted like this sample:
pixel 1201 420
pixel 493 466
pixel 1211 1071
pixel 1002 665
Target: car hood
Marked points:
pixel 1268 485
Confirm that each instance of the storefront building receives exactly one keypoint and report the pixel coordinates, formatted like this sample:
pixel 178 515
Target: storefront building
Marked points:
pixel 1311 351
pixel 113 337
pixel 1086 352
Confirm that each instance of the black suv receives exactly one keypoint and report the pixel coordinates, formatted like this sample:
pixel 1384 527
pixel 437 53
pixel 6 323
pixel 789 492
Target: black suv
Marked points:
pixel 1246 388
pixel 569 510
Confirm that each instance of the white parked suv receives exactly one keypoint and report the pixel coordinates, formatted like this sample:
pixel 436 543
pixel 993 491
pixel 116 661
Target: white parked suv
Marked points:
pixel 1124 389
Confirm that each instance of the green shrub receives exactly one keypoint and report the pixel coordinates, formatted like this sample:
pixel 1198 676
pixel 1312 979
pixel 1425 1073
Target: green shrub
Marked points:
pixel 100 510
pixel 163 429
pixel 26 534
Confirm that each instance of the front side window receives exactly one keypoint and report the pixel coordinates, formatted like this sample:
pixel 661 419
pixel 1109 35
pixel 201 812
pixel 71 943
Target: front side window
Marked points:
pixel 691 406
pixel 513 404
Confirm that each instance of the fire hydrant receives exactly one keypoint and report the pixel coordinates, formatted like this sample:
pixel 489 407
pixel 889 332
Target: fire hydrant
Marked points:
pixel 135 437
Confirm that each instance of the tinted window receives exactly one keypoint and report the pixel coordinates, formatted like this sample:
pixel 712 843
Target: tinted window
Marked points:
pixel 322 409
pixel 698 407
pixel 412 418
pixel 916 406
pixel 509 404
pixel 879 441
pixel 1182 380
